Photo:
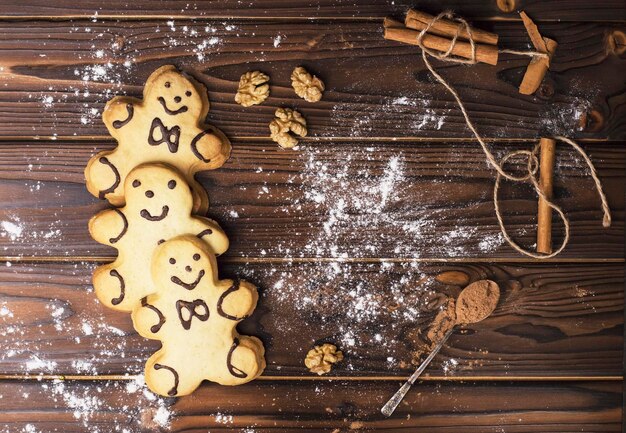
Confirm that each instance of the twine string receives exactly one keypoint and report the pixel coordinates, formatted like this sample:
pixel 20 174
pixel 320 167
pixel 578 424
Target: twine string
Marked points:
pixel 532 165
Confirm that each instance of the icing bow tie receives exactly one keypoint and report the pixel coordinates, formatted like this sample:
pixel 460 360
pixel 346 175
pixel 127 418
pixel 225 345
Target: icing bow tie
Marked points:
pixel 165 134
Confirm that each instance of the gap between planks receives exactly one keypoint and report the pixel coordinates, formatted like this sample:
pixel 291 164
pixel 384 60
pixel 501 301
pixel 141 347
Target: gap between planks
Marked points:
pixel 265 139
pixel 113 377
pixel 106 259
pixel 372 18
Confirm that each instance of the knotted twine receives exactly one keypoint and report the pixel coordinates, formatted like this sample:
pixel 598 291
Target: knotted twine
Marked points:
pixel 532 162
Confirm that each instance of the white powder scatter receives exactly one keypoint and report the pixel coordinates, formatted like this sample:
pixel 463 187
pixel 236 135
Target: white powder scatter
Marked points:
pixel 449 366
pixel 36 364
pixel 87 329
pixel 277 40
pixel 11 229
pixel 412 114
pixel 223 419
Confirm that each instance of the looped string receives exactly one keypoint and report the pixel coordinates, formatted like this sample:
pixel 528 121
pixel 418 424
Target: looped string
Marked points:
pixel 532 161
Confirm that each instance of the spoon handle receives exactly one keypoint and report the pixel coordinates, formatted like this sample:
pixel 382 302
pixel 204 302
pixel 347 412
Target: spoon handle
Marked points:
pixel 394 401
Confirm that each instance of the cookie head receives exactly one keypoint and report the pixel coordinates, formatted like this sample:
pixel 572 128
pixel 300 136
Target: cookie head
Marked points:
pixel 155 192
pixel 173 94
pixel 183 263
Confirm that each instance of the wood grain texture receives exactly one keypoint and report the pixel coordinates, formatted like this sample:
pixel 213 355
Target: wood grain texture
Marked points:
pixel 315 407
pixel 57 76
pixel 338 199
pixel 552 320
pixel 605 10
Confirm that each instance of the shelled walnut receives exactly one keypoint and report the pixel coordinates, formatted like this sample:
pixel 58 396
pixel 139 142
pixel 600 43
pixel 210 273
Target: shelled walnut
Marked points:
pixel 320 359
pixel 287 120
pixel 307 86
pixel 253 88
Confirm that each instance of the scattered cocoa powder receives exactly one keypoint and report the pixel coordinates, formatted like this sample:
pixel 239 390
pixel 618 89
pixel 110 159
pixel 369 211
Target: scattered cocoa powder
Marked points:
pixel 477 301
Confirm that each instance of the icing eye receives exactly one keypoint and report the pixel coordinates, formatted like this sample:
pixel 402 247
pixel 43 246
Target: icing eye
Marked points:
pixel 136 183
pixel 160 241
pixel 188 93
pixel 196 257
pixel 149 194
pixel 167 84
pixel 172 261
pixel 171 184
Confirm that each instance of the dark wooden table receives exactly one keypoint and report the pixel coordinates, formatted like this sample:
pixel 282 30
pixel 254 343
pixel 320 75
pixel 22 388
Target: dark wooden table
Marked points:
pixel 343 235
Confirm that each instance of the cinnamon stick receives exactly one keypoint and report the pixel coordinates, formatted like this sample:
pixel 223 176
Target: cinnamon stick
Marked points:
pixel 538 66
pixel 418 20
pixel 396 31
pixel 544 213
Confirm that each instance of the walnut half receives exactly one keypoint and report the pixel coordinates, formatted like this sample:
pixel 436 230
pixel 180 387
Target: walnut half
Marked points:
pixel 307 86
pixel 253 88
pixel 320 359
pixel 287 120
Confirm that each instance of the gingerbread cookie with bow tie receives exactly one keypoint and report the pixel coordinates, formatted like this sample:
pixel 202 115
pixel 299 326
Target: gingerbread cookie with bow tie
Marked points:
pixel 166 126
pixel 158 207
pixel 195 315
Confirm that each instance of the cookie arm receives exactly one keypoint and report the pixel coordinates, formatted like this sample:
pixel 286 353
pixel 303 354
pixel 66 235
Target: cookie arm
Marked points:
pixel 118 113
pixel 238 300
pixel 211 233
pixel 211 148
pixel 108 227
pixel 148 319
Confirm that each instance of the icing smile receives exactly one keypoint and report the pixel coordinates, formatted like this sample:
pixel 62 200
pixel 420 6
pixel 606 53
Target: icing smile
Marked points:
pixel 188 286
pixel 145 214
pixel 171 112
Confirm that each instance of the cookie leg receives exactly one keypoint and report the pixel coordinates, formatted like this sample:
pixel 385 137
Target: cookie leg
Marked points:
pixel 245 360
pixel 168 376
pixel 110 287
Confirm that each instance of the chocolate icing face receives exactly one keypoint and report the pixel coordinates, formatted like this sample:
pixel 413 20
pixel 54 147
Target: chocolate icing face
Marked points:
pixel 188 286
pixel 146 214
pixel 155 196
pixel 175 96
pixel 182 109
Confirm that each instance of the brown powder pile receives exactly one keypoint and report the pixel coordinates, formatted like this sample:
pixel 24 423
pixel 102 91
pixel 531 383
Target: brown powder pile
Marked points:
pixel 477 301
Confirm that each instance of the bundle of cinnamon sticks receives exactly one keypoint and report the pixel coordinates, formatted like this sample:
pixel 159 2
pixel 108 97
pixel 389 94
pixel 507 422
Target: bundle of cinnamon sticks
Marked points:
pixel 440 35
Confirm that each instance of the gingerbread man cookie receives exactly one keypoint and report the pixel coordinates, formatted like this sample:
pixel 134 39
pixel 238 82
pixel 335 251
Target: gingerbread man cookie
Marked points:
pixel 158 208
pixel 195 315
pixel 166 126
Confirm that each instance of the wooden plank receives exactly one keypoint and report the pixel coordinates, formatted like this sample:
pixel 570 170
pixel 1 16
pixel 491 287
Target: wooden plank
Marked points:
pixel 57 76
pixel 604 10
pixel 561 320
pixel 313 407
pixel 335 199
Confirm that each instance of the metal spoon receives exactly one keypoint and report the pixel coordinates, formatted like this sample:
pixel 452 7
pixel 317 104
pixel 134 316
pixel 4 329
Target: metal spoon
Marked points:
pixel 470 311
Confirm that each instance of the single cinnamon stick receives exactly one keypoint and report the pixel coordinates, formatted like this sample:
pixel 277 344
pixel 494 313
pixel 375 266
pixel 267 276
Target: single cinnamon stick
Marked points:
pixel 418 20
pixel 544 213
pixel 396 31
pixel 538 66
